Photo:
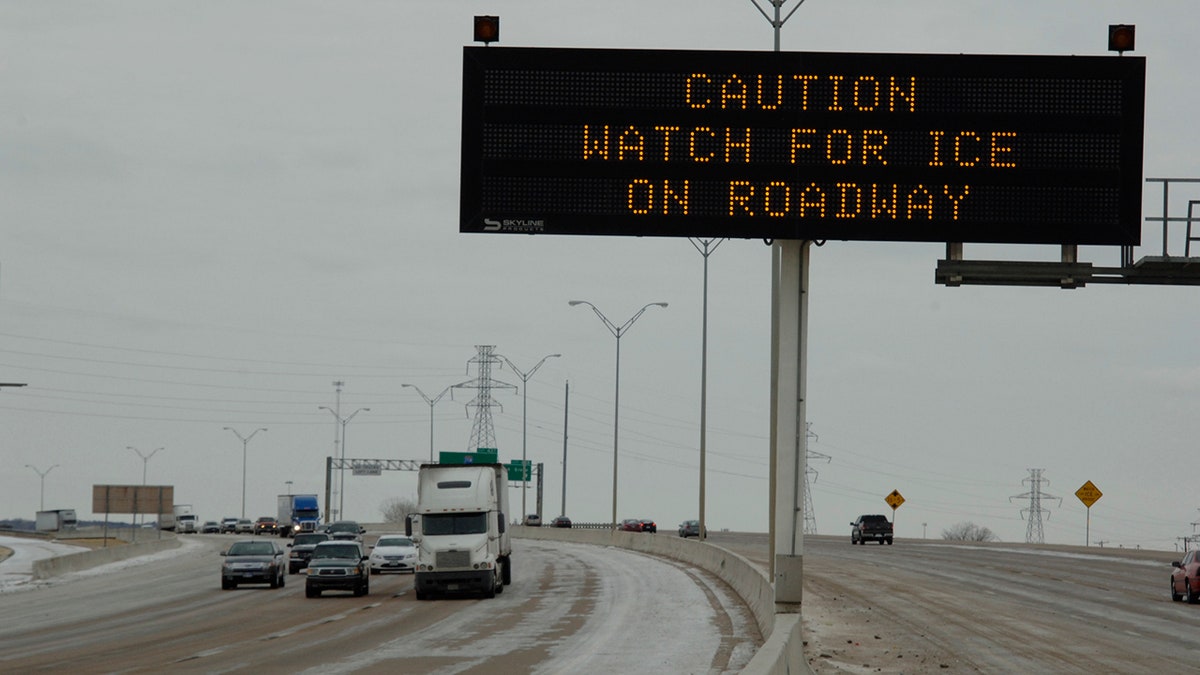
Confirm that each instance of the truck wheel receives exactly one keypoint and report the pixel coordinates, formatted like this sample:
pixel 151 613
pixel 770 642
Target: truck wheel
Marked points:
pixel 490 591
pixel 506 572
pixel 312 592
pixel 227 585
pixel 889 541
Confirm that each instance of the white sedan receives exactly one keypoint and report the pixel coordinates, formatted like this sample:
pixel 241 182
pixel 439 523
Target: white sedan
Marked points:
pixel 393 553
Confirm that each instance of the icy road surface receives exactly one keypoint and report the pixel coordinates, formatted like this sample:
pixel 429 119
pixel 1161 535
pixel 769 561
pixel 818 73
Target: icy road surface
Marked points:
pixel 570 608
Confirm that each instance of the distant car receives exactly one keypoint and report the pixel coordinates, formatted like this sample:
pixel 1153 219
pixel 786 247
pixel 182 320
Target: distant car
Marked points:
pixel 631 525
pixel 210 527
pixel 266 525
pixel 345 529
pixel 533 520
pixel 337 565
pixel 649 526
pixel 253 562
pixel 561 521
pixel 871 526
pixel 691 528
pixel 1185 578
pixel 393 553
pixel 302 547
pixel 229 525
pixel 244 526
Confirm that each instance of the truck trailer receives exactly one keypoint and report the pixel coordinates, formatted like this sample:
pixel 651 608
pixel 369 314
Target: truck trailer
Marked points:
pixel 460 530
pixel 298 513
pixel 56 520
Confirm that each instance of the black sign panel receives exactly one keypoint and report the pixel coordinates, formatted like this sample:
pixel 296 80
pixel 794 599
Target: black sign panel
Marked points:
pixel 803 145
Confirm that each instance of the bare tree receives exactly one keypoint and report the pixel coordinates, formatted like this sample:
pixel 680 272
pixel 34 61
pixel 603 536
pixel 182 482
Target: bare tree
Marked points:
pixel 968 531
pixel 395 509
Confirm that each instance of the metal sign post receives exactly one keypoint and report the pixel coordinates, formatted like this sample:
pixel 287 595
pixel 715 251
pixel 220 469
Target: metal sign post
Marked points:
pixel 1088 493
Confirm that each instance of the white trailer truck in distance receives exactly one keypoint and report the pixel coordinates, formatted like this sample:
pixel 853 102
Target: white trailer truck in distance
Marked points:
pixel 185 519
pixel 56 520
pixel 460 530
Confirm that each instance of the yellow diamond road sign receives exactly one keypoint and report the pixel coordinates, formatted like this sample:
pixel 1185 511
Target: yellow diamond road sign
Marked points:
pixel 1088 494
pixel 894 500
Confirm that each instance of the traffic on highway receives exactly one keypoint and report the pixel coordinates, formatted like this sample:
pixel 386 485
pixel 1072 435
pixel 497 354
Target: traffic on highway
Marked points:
pixel 570 607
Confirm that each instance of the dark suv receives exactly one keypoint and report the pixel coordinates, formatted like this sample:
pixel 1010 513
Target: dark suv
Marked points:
pixel 345 530
pixel 302 547
pixel 337 565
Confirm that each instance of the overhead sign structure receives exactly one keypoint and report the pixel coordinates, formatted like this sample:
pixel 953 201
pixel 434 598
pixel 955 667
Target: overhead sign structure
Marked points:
pixel 484 456
pixel 1088 493
pixel 803 145
pixel 894 500
pixel 519 470
pixel 361 467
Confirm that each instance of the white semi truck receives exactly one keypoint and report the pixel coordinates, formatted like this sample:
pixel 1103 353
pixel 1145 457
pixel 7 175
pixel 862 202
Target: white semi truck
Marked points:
pixel 460 529
pixel 185 519
pixel 57 520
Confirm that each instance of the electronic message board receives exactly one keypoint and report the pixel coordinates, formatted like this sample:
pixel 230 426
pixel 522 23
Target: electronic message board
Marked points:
pixel 803 145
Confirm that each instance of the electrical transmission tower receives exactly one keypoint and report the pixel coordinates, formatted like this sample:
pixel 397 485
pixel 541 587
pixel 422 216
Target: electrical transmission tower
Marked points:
pixel 810 477
pixel 1033 522
pixel 483 433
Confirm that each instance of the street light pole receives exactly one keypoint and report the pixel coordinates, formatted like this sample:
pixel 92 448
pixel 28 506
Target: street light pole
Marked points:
pixel 42 475
pixel 617 332
pixel 245 441
pixel 432 402
pixel 145 463
pixel 342 470
pixel 145 459
pixel 524 432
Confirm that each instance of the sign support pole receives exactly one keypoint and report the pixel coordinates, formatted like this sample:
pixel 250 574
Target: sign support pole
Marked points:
pixel 791 371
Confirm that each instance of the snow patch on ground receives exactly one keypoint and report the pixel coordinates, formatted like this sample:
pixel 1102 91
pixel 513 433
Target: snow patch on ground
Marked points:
pixel 16 572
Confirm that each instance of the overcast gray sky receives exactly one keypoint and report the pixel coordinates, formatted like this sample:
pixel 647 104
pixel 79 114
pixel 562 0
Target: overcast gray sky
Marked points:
pixel 209 212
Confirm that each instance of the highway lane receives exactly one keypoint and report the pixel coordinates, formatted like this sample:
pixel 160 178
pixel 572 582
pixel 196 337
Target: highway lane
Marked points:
pixel 570 607
pixel 926 606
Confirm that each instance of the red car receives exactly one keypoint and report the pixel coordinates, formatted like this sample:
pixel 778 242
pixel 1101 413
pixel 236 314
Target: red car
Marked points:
pixel 1185 579
pixel 631 525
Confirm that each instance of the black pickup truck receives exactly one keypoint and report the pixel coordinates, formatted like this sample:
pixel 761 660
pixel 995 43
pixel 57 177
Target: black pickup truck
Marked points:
pixel 875 527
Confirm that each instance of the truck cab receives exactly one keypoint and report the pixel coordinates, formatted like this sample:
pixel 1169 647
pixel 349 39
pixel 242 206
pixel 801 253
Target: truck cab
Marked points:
pixel 460 530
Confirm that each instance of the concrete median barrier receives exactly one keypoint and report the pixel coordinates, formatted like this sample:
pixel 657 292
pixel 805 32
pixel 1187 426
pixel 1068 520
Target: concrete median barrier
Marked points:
pixel 75 562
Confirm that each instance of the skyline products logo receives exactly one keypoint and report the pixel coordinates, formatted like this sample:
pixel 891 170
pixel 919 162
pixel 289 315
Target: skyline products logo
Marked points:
pixel 514 225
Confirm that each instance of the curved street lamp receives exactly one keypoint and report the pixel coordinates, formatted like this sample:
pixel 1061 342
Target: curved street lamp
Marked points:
pixel 617 332
pixel 145 459
pixel 245 441
pixel 432 402
pixel 42 476
pixel 524 408
pixel 145 463
pixel 342 470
